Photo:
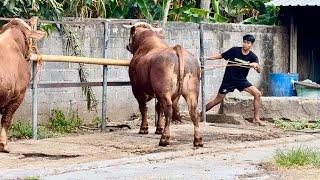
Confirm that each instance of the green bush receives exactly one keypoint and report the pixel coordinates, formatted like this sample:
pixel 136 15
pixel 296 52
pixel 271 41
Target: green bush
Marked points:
pixel 96 122
pixel 58 122
pixel 21 130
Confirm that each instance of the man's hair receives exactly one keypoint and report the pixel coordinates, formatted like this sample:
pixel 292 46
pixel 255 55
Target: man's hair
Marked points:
pixel 249 37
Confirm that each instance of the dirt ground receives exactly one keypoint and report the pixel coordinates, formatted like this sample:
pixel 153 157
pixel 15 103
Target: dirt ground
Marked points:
pixel 117 143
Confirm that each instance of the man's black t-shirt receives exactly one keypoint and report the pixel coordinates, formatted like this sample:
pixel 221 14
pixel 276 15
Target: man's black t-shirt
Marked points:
pixel 234 73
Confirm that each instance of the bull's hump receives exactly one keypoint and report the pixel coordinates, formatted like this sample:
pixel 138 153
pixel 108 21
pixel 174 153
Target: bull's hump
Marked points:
pixel 7 34
pixel 6 41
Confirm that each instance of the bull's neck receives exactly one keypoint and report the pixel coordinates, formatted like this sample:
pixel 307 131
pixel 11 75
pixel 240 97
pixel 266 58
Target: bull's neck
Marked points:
pixel 20 40
pixel 151 43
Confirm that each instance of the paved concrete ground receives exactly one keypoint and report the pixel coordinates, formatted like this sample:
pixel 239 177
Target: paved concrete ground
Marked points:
pixel 239 162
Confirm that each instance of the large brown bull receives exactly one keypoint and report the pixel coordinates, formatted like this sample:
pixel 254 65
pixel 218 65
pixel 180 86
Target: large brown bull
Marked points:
pixel 157 70
pixel 14 71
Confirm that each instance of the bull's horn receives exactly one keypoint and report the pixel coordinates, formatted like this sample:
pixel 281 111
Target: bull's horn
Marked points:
pixel 127 26
pixel 23 23
pixel 157 29
pixel 143 23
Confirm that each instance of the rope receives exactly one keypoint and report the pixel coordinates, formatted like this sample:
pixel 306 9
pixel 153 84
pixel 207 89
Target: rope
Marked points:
pixel 33 49
pixel 234 64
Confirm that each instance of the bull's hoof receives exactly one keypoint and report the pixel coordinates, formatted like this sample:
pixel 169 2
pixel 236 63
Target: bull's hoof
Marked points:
pixel 159 131
pixel 143 130
pixel 4 148
pixel 164 141
pixel 176 120
pixel 197 142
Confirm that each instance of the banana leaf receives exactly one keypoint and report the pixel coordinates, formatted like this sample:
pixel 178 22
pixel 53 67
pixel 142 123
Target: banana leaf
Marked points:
pixel 144 9
pixel 219 18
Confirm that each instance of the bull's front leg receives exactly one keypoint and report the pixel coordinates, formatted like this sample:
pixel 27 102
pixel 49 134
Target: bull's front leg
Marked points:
pixel 144 122
pixel 5 125
pixel 167 106
pixel 6 122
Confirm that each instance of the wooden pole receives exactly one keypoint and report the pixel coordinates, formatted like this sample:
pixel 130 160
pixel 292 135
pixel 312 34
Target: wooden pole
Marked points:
pixel 74 59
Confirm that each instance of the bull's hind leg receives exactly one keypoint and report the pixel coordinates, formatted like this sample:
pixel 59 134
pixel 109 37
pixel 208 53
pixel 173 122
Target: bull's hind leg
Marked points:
pixel 160 123
pixel 176 119
pixel 167 107
pixel 6 121
pixel 192 101
pixel 175 115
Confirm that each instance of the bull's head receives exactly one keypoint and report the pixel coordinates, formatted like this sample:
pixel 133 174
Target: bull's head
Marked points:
pixel 137 29
pixel 26 31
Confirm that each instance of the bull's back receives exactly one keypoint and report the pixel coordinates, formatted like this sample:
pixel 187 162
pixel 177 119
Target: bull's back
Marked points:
pixel 168 60
pixel 170 67
pixel 158 70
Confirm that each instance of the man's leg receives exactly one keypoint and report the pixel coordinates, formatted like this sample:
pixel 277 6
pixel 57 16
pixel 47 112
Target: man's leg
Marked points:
pixel 214 102
pixel 256 104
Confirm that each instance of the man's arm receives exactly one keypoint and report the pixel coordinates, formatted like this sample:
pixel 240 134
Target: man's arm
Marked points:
pixel 256 67
pixel 226 55
pixel 215 57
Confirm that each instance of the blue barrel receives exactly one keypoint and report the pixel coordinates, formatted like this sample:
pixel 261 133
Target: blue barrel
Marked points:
pixel 282 84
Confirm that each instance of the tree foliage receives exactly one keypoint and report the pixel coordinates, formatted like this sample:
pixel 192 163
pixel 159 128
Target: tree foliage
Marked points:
pixel 230 11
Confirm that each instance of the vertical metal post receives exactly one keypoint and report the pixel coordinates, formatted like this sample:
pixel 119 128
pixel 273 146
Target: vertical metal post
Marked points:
pixel 203 105
pixel 34 101
pixel 105 82
pixel 104 99
pixel 34 90
pixel 293 45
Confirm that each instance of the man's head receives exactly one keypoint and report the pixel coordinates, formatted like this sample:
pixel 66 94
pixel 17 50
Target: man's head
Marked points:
pixel 248 40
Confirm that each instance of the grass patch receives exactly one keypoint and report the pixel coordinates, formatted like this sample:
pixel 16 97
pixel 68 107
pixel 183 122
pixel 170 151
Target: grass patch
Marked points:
pixel 96 122
pixel 296 124
pixel 58 124
pixel 297 157
pixel 291 125
pixel 31 178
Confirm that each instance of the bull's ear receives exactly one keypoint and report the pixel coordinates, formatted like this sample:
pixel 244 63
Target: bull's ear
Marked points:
pixel 160 32
pixel 37 35
pixel 133 30
pixel 161 36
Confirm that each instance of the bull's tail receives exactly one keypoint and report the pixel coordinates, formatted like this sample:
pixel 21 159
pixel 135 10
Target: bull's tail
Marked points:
pixel 181 62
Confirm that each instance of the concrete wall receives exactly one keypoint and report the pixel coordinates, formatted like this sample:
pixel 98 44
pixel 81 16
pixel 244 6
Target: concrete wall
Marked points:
pixel 271 47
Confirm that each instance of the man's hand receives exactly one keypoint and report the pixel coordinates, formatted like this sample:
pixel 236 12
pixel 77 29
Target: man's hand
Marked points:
pixel 256 67
pixel 214 57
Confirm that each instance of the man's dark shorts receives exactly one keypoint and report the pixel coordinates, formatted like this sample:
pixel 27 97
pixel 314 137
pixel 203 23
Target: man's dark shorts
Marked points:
pixel 227 87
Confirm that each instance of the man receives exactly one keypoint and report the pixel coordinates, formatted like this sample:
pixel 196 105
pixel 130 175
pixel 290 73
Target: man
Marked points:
pixel 235 77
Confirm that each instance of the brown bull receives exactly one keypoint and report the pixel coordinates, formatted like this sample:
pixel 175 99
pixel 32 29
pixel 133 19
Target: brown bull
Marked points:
pixel 14 71
pixel 157 70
